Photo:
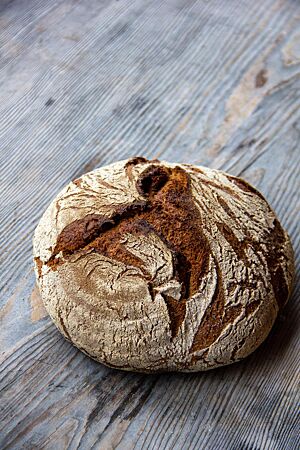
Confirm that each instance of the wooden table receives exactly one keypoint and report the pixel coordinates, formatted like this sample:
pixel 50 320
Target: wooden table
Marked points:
pixel 88 82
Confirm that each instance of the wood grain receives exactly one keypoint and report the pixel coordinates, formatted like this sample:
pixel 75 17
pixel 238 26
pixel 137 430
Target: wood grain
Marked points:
pixel 83 84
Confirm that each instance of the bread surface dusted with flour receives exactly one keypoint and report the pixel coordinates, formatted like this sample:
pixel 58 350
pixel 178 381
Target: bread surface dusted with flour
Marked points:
pixel 151 266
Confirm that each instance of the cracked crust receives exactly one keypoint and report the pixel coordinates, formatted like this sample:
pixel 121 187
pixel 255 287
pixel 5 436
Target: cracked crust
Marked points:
pixel 153 266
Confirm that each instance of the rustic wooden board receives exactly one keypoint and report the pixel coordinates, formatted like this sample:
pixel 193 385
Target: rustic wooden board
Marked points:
pixel 84 83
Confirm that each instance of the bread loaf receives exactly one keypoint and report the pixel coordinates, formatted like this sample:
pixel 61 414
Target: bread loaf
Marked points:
pixel 152 266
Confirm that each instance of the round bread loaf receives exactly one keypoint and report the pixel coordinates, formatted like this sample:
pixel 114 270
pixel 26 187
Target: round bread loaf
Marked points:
pixel 151 266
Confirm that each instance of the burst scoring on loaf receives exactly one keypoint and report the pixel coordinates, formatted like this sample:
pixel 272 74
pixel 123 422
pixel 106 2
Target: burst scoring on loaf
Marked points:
pixel 153 266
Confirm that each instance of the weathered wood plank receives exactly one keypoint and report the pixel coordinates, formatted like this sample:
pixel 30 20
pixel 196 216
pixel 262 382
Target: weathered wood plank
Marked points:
pixel 86 83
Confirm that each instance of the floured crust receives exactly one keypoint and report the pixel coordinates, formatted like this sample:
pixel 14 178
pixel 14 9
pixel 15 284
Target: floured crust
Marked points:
pixel 153 266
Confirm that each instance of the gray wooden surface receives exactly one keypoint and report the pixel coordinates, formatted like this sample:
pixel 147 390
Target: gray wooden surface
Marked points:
pixel 87 82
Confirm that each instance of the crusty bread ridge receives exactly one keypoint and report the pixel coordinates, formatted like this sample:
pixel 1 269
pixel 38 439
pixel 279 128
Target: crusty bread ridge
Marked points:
pixel 152 266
